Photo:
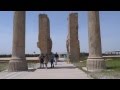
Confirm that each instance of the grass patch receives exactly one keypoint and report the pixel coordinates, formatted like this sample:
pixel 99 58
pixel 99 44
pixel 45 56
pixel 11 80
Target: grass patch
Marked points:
pixel 3 66
pixel 113 64
pixel 82 63
pixel 111 72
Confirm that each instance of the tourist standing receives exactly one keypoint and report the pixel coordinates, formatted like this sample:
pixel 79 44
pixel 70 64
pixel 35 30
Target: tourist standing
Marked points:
pixel 41 58
pixel 52 60
pixel 46 60
pixel 56 58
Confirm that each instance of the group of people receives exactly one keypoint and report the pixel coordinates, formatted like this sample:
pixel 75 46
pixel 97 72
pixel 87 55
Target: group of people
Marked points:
pixel 45 58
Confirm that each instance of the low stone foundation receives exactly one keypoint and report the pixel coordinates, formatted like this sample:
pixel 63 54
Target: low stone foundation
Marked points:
pixel 96 64
pixel 17 65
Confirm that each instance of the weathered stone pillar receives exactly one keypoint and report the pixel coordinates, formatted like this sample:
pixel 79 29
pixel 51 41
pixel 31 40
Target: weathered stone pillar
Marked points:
pixel 72 43
pixel 18 61
pixel 95 61
pixel 44 40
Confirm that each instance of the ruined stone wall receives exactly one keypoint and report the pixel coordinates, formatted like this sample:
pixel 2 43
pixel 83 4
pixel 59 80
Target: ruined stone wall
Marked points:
pixel 72 38
pixel 44 40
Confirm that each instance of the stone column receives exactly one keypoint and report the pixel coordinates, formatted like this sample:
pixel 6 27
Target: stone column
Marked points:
pixel 72 43
pixel 44 40
pixel 95 62
pixel 18 61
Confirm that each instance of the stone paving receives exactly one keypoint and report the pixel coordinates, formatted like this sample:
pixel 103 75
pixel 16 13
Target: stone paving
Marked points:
pixel 61 71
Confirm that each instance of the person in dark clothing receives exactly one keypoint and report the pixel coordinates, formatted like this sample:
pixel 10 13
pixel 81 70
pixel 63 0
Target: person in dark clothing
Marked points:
pixel 46 60
pixel 56 58
pixel 41 58
pixel 52 60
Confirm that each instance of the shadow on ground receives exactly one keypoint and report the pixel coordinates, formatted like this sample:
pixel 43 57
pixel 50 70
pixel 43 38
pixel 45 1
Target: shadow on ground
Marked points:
pixel 31 70
pixel 64 67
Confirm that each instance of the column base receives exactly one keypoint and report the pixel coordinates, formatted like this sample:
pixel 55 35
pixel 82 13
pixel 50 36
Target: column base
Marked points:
pixel 17 64
pixel 95 64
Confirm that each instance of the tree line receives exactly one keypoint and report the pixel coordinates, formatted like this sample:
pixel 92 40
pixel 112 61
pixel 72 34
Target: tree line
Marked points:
pixel 36 55
pixel 27 55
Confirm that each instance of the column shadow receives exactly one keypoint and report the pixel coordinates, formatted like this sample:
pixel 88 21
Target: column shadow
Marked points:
pixel 63 67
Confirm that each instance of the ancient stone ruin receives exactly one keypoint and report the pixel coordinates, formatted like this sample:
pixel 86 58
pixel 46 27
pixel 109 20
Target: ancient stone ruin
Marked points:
pixel 18 61
pixel 72 42
pixel 44 40
pixel 95 62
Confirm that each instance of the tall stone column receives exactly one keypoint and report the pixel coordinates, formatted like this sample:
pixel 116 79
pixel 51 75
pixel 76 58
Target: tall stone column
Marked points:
pixel 72 43
pixel 44 40
pixel 95 62
pixel 18 61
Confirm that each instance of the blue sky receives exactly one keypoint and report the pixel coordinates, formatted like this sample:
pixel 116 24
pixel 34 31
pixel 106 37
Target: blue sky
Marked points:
pixel 109 23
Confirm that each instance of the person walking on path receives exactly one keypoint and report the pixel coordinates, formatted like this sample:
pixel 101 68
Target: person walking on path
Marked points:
pixel 52 60
pixel 56 58
pixel 41 58
pixel 46 60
